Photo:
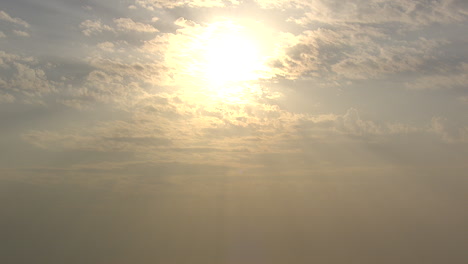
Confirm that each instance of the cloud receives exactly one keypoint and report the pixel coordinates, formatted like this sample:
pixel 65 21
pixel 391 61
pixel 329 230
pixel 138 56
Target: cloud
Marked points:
pixel 6 98
pixel 454 78
pixel 350 51
pixel 169 114
pixel 94 27
pixel 112 80
pixel 90 27
pixel 352 124
pixel 8 58
pixel 411 13
pixel 159 4
pixel 18 21
pixel 379 60
pixel 103 87
pixel 29 79
pixel 362 39
pixel 353 52
pixel 26 79
pixel 2 35
pixel 106 46
pixel 137 72
pixel 449 132
pixel 111 138
pixel 185 23
pixel 127 24
pixel 21 33
pixel 167 129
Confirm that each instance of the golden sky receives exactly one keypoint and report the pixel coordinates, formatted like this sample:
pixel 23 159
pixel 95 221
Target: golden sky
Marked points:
pixel 157 131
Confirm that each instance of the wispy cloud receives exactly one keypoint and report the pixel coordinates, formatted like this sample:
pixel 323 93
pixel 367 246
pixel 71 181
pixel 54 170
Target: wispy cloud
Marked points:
pixel 18 21
pixel 21 33
pixel 451 133
pixel 456 78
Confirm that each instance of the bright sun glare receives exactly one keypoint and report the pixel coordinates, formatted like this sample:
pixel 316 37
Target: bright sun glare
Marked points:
pixel 227 55
pixel 232 54
pixel 232 57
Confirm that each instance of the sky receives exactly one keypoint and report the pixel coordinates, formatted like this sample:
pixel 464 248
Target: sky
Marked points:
pixel 225 132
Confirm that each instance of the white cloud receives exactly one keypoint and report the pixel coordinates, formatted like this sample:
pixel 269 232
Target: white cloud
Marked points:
pixel 21 33
pixel 354 52
pixel 30 80
pixel 411 13
pixel 186 121
pixel 165 128
pixel 152 4
pixel 6 17
pixel 106 46
pixel 27 80
pixel 127 24
pixel 7 58
pixel 185 23
pixel 90 27
pixel 94 27
pixel 143 72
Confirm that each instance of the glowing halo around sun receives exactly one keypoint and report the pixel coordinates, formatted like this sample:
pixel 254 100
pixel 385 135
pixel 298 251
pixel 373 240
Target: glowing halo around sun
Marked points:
pixel 232 53
pixel 227 57
pixel 232 57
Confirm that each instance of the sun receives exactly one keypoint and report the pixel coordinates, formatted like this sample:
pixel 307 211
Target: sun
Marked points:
pixel 232 57
pixel 232 54
pixel 224 59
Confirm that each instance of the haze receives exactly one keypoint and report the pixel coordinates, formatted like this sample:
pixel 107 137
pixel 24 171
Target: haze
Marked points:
pixel 225 132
